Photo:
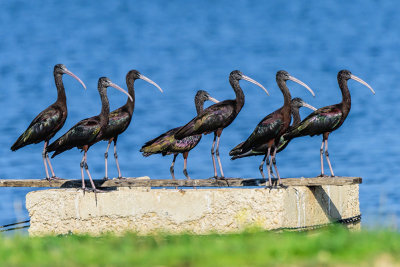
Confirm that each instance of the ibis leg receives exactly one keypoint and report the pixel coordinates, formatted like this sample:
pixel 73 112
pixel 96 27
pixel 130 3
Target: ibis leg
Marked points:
pixel 217 153
pixel 213 158
pixel 327 157
pixel 273 159
pixel 82 174
pixel 105 160
pixel 44 160
pixel 269 166
pixel 53 175
pixel 272 172
pixel 171 169
pixel 185 156
pixel 116 158
pixel 88 173
pixel 262 165
pixel 262 170
pixel 321 152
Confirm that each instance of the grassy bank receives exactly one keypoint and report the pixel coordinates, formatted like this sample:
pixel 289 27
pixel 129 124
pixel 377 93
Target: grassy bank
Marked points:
pixel 335 246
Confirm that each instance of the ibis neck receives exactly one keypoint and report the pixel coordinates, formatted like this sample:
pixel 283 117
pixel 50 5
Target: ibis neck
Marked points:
pixel 105 107
pixel 287 98
pixel 199 105
pixel 296 116
pixel 130 105
pixel 346 98
pixel 285 91
pixel 238 92
pixel 61 97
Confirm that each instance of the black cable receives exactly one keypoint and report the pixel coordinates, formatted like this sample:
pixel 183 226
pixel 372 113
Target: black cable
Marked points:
pixel 11 224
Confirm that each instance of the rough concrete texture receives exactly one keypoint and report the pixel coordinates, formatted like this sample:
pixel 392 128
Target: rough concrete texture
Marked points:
pixel 144 210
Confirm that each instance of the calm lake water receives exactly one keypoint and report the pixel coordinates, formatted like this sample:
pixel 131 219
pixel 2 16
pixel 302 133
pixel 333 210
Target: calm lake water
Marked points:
pixel 185 47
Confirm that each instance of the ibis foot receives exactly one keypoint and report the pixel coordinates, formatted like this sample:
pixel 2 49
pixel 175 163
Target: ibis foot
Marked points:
pixel 93 190
pixel 283 186
pixel 54 178
pixel 222 178
pixel 269 187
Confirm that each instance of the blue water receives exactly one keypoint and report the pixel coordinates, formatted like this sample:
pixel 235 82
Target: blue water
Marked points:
pixel 189 46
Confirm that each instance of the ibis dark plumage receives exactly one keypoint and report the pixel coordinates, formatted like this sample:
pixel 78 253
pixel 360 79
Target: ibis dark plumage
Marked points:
pixel 273 126
pixel 296 104
pixel 49 121
pixel 166 143
pixel 218 116
pixel 88 131
pixel 327 119
pixel 120 118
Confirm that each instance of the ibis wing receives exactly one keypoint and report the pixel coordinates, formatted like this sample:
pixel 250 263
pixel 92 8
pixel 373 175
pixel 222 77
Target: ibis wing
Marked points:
pixel 212 118
pixel 185 144
pixel 320 121
pixel 43 127
pixel 266 130
pixel 159 144
pixel 167 144
pixel 118 122
pixel 82 133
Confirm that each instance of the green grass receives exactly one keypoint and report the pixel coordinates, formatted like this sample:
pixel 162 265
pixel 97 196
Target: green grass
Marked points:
pixel 335 246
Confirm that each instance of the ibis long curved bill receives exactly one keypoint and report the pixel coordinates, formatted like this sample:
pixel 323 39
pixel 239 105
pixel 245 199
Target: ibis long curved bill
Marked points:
pixel 247 78
pixel 144 78
pixel 120 89
pixel 213 99
pixel 66 71
pixel 362 82
pixel 301 83
pixel 306 105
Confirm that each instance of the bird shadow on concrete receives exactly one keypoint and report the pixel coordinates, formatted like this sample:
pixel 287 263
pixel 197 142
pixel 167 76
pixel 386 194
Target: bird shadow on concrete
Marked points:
pixel 326 203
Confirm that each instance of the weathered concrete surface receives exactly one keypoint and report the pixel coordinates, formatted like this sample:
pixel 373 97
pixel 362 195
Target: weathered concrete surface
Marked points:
pixel 144 210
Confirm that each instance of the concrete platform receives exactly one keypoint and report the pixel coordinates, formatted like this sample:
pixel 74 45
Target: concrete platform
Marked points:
pixel 200 211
